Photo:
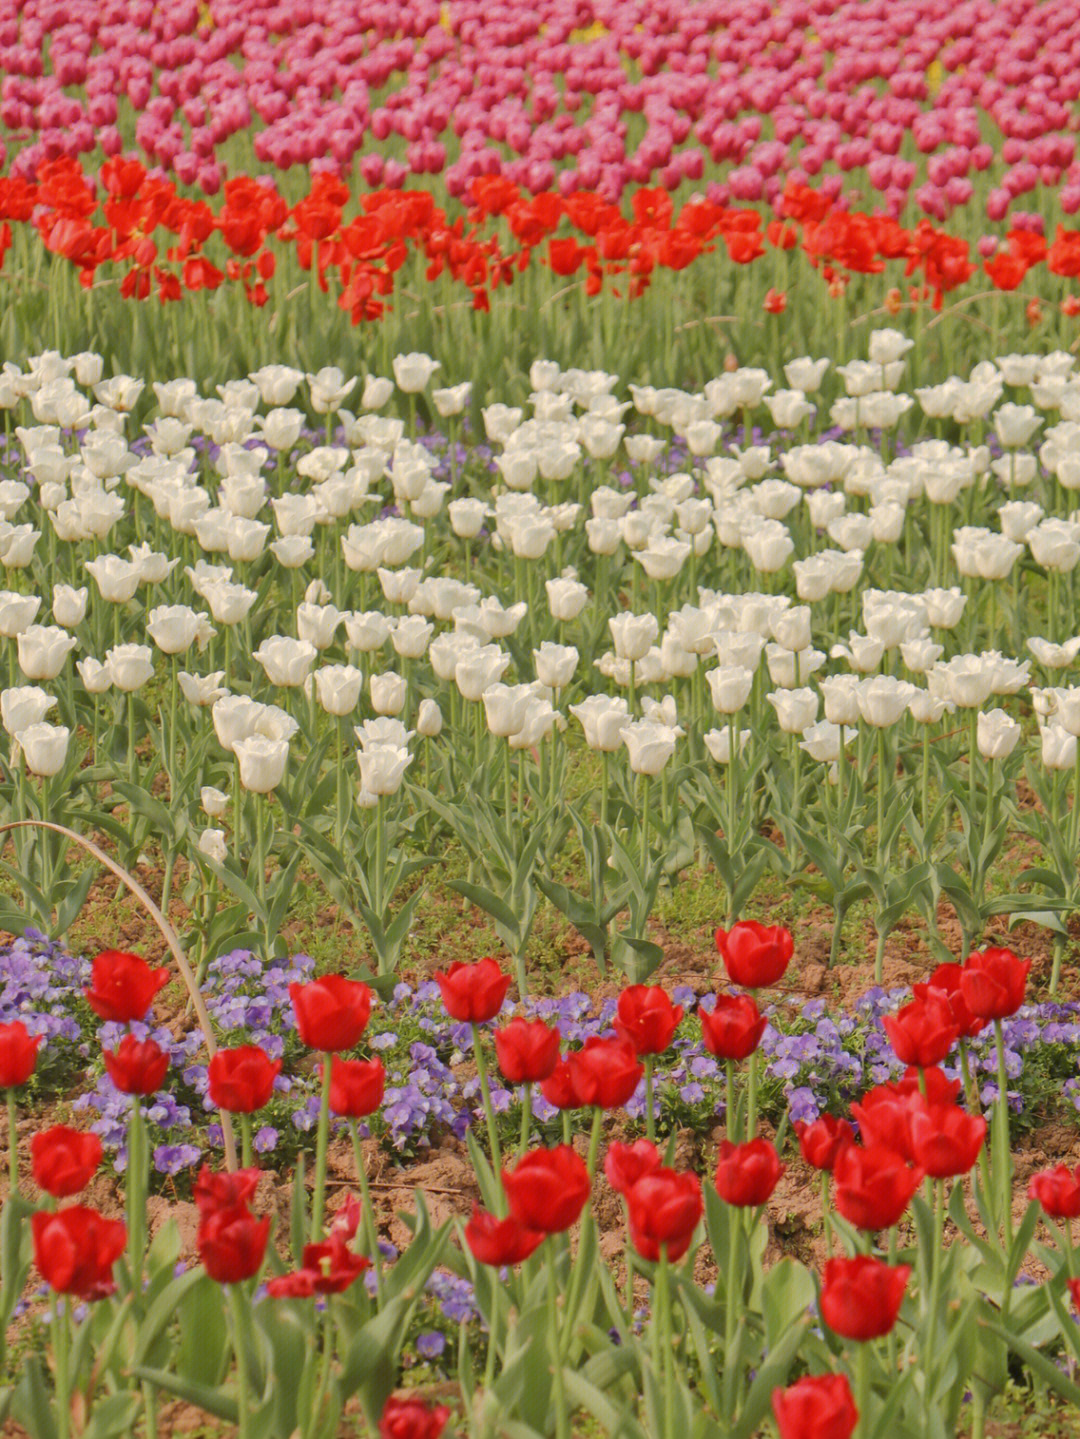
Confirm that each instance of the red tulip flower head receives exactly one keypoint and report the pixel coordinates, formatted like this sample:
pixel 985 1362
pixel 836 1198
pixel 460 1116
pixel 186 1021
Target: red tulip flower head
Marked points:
pixel 137 1066
pixel 861 1297
pixel 500 1241
pixel 231 1244
pixel 64 1160
pixel 1058 1191
pixel 558 1087
pixel 412 1419
pixel 473 992
pixel 945 1139
pixel 605 1072
pixel 123 986
pixel 819 1406
pixel 331 1013
pixel 527 1050
pixel 923 1032
pixel 326 1268
pixel 734 1028
pixel 356 1086
pixel 947 978
pixel 75 1250
pixel 873 1186
pixel 625 1164
pixel 547 1189
pixel 822 1140
pixel 664 1208
pixel 647 1018
pixel 993 983
pixel 224 1191
pixel 755 955
pixel 18 1054
pixel 747 1174
pixel 241 1080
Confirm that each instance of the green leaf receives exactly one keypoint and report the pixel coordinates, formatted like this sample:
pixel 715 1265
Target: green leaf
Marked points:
pixel 113 1414
pixel 204 1337
pixel 490 903
pixel 214 1400
pixel 31 1405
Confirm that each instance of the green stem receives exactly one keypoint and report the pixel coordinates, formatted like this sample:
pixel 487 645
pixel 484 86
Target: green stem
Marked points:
pixel 732 1311
pixel 729 1077
pixel 935 1289
pixel 526 1115
pixel 246 1160
pixel 371 1236
pixel 880 799
pixel 236 1314
pixel 863 1388
pixel 136 1197
pixel 485 1094
pixel 321 1142
pixel 826 1217
pixel 1002 1158
pixel 62 1324
pixel 650 1118
pixel 663 1305
pixel 751 1096
pixel 562 1418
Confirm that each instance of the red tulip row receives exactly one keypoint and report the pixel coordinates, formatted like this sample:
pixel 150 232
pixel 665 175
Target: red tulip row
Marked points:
pixel 908 1132
pixel 168 244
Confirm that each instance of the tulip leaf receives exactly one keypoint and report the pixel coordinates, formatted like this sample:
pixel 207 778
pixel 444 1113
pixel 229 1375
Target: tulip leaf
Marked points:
pixel 214 1400
pixel 31 1404
pixel 612 1419
pixel 113 1414
pixel 1041 1363
pixel 772 1374
pixel 787 1291
pixel 204 1348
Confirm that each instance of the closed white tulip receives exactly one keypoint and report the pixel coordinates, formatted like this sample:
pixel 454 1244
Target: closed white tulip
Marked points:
pixel 69 605
pixel 45 747
pixel 997 734
pixel 215 802
pixel 555 664
pixel 285 661
pixel 262 762
pixel 23 706
pixel 382 768
pixel 429 720
pixel 43 650
pixel 337 688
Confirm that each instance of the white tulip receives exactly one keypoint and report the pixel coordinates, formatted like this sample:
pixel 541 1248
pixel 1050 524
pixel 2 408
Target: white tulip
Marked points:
pixel 23 706
pixel 387 693
pixel 730 687
pixel 806 374
pixel 927 708
pixel 555 664
pixel 452 401
pixel 796 709
pixel 43 650
pixel 69 605
pixel 215 802
pixel 277 384
pixel 45 747
pixel 602 718
pixel 1054 656
pixel 840 694
pixel 718 743
pixel 130 666
pixel 96 677
pixel 262 762
pixel 1058 747
pixel 566 598
pixel 788 668
pixel 377 391
pixel 382 769
pixel 649 746
pixel 467 517
pixel 117 579
pixel 328 388
pixel 292 551
pixel 505 706
pixel 281 428
pixel 174 628
pixel 318 624
pixel 413 372
pixel 367 630
pixel 285 661
pixel 883 700
pixel 211 843
pixel 632 635
pixel 429 720
pixel 997 734
pixel 338 687
pixel 17 613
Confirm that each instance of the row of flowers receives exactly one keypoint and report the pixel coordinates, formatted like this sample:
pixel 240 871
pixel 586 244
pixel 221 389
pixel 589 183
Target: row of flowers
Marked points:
pixel 131 224
pixel 596 97
pixel 908 1133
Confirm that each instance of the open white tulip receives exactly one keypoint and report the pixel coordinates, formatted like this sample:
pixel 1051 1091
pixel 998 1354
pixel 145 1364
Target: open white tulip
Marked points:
pixel 45 747
pixel 43 650
pixel 285 661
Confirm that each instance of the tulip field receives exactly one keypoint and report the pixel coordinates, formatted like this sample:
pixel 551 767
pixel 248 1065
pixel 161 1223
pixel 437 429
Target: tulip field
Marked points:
pixel 540 688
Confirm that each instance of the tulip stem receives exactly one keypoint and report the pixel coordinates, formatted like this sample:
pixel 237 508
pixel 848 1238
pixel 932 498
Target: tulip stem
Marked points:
pixel 13 1145
pixel 863 1388
pixel 371 1236
pixel 1001 1157
pixel 236 1314
pixel 644 826
pixel 526 1115
pixel 731 1309
pixel 935 1287
pixel 826 1218
pixel 485 1094
pixel 881 800
pixel 751 1096
pixel 321 1141
pixel 136 1197
pixel 62 1349
pixel 245 1141
pixel 562 1424
pixel 729 1075
pixel 650 1118
pixel 662 1297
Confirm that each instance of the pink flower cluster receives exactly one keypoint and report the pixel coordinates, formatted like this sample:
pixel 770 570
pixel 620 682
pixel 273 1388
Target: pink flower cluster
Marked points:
pixel 905 100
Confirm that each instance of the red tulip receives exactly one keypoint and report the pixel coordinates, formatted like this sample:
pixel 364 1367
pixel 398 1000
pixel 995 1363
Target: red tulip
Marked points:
pixel 663 1209
pixel 1074 1290
pixel 123 986
pixel 527 1050
pixel 947 978
pixel 327 1268
pixel 821 1141
pixel 18 1054
pixel 734 1028
pixel 64 1160
pixel 818 1406
pixel 923 1032
pixel 231 1244
pixel 412 1419
pixel 861 1297
pixel 882 1115
pixel 945 1140
pixel 75 1250
pixel 873 1186
pixel 993 983
pixel 224 1191
pixel 625 1164
pixel 500 1241
pixel 747 1174
pixel 558 1087
pixel 241 1080
pixel 473 992
pixel 1058 1191
pixel 605 1072
pixel 548 1189
pixel 647 1018
pixel 137 1066
pixel 331 1013
pixel 356 1086
pixel 755 955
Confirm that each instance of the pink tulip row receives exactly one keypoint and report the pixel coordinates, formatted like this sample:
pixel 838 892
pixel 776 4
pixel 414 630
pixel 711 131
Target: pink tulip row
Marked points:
pixel 910 99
